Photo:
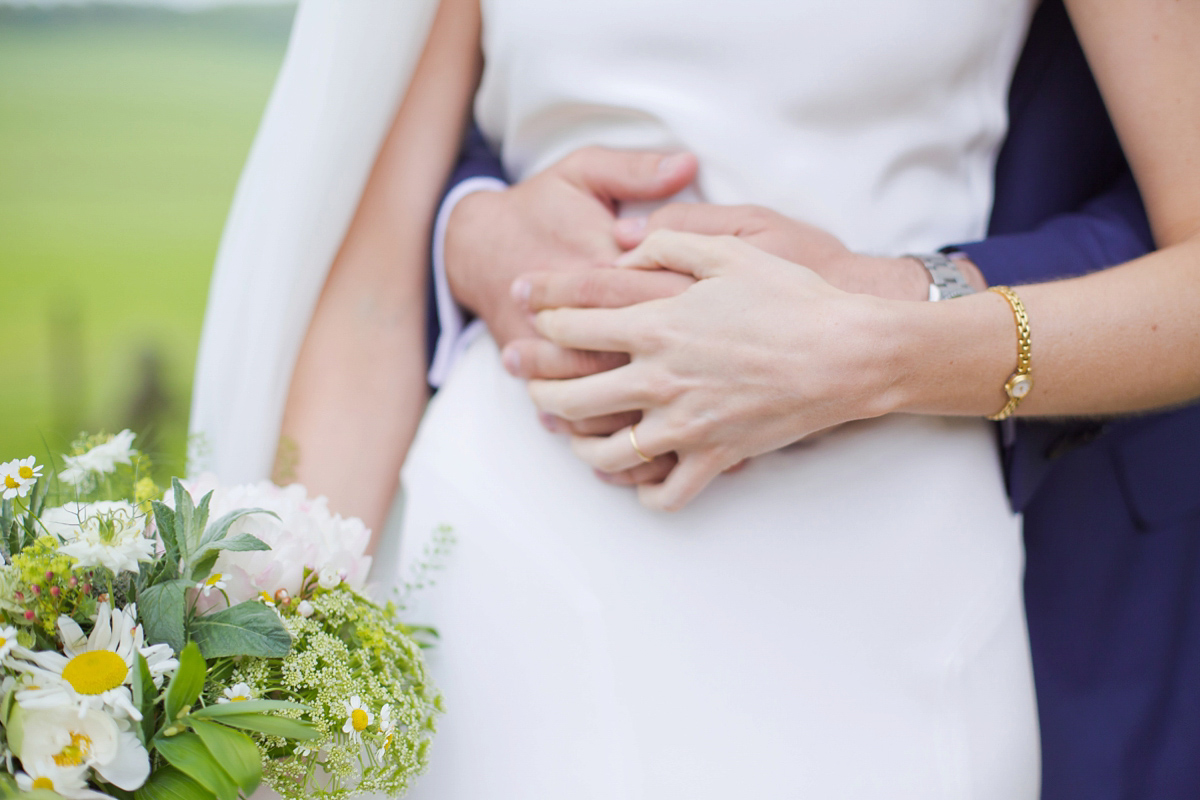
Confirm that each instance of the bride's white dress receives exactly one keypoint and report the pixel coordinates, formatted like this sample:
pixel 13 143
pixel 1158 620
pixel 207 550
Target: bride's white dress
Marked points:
pixel 841 619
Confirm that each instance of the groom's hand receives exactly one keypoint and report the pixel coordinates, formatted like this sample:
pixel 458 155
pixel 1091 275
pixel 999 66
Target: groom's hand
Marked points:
pixel 560 219
pixel 800 243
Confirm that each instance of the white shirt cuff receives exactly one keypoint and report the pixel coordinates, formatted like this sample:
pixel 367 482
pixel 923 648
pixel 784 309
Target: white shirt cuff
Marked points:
pixel 454 335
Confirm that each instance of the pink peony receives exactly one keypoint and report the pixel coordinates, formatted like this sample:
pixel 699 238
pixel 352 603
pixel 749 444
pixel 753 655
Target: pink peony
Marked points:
pixel 306 534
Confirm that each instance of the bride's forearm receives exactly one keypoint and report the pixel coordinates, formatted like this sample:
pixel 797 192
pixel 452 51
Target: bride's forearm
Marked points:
pixel 358 389
pixel 1119 341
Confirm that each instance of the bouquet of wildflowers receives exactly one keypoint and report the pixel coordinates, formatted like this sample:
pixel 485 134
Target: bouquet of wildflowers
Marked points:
pixel 192 645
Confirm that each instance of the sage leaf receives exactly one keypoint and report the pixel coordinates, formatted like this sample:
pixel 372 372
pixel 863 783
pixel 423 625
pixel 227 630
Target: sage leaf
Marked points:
pixel 163 609
pixel 247 629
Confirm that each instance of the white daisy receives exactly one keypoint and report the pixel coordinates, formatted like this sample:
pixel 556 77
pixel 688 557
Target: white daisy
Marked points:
pixel 237 693
pixel 69 782
pixel 71 739
pixel 214 581
pixel 101 459
pixel 387 726
pixel 108 534
pixel 18 477
pixel 93 671
pixel 8 640
pixel 358 718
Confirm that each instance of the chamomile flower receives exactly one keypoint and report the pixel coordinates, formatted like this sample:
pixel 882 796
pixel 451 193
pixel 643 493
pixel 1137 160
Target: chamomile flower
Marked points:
pixel 18 477
pixel 92 671
pixel 69 782
pixel 8 640
pixel 303 750
pixel 214 581
pixel 358 718
pixel 387 726
pixel 238 693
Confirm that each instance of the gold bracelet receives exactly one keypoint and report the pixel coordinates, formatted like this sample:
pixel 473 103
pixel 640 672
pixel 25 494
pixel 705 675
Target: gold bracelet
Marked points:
pixel 1021 383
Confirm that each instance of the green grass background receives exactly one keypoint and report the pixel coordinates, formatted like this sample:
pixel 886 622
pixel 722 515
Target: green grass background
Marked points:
pixel 122 134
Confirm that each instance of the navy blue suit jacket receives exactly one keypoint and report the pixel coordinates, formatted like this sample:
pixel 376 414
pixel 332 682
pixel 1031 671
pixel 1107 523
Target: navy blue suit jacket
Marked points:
pixel 1112 512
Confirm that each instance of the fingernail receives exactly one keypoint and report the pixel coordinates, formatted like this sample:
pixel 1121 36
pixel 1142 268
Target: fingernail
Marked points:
pixel 604 476
pixel 549 421
pixel 520 291
pixel 670 164
pixel 631 227
pixel 511 359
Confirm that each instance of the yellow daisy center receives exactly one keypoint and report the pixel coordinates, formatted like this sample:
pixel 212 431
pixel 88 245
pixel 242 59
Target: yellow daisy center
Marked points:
pixel 3 641
pixel 25 472
pixel 74 754
pixel 95 672
pixel 238 698
pixel 213 580
pixel 358 718
pixel 43 783
pixel 11 482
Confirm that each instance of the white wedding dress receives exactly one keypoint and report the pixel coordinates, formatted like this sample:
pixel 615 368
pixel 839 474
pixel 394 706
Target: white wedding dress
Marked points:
pixel 842 619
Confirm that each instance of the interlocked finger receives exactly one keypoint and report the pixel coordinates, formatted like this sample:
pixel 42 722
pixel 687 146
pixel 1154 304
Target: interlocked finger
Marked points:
pixel 617 452
pixel 611 392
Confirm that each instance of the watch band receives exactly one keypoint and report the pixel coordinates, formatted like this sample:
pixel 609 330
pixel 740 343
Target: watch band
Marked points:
pixel 948 280
pixel 1020 383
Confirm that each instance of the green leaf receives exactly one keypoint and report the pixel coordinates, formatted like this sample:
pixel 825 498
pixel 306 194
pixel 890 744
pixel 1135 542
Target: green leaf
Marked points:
pixel 200 518
pixel 168 783
pixel 247 629
pixel 234 750
pixel 163 609
pixel 204 565
pixel 208 555
pixel 164 520
pixel 187 753
pixel 240 543
pixel 188 681
pixel 220 528
pixel 185 520
pixel 272 726
pixel 144 695
pixel 218 710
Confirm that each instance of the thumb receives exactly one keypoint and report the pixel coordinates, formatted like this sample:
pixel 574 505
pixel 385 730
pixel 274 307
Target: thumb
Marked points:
pixel 624 175
pixel 688 253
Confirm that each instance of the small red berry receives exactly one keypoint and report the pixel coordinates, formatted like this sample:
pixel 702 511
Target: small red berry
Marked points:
pixel 30 615
pixel 55 591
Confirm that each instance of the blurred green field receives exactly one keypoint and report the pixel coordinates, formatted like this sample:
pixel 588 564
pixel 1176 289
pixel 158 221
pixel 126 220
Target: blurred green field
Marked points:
pixel 122 134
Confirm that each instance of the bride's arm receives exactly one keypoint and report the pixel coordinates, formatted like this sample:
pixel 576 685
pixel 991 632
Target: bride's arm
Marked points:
pixel 358 389
pixel 1128 338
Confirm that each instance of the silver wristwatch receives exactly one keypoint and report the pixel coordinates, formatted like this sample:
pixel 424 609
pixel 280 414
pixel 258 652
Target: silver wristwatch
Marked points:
pixel 948 280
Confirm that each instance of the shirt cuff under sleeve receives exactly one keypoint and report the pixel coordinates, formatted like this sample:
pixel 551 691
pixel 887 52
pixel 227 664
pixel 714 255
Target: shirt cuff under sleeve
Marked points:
pixel 455 334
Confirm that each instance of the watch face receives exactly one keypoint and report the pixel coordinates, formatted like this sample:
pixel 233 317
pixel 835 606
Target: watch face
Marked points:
pixel 1019 386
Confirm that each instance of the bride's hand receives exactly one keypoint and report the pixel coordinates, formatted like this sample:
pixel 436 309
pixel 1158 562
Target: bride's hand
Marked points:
pixel 756 355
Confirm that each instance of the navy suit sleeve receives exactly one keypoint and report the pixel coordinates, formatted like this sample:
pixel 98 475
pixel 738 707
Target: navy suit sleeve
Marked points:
pixel 475 160
pixel 1110 229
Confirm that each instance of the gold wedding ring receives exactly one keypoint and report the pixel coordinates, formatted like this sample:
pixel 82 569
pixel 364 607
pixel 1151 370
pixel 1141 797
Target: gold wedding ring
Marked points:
pixel 633 441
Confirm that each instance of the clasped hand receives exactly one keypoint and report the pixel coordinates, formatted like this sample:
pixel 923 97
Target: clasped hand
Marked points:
pixel 756 354
pixel 709 368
